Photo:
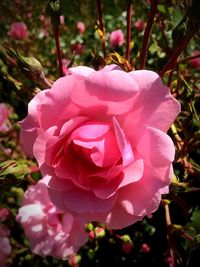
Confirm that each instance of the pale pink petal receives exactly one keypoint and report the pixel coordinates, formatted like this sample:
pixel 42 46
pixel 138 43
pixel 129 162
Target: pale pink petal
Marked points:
pixel 80 70
pixel 156 148
pixel 72 124
pixel 114 91
pixel 30 126
pixel 89 202
pixel 106 190
pixel 124 146
pixel 64 109
pixel 136 197
pixel 118 218
pixel 132 173
pixel 90 130
pixel 129 175
pixel 155 106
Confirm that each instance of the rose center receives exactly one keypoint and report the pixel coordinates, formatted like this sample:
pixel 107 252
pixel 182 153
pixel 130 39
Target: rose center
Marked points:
pixel 96 143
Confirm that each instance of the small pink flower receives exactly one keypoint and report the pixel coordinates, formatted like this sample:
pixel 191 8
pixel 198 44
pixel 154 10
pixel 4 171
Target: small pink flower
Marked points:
pixel 62 19
pixel 195 62
pixel 92 234
pixel 4 113
pixel 29 15
pixel 42 18
pixel 116 39
pixel 145 248
pixel 4 251
pixel 4 214
pixel 80 27
pixel 50 231
pixel 77 48
pixel 18 30
pixel 139 25
pixel 4 245
pixel 169 261
pixel 74 260
pixel 97 149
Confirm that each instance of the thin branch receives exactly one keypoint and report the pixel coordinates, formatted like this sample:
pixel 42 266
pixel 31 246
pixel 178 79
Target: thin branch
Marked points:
pixel 59 56
pixel 169 237
pixel 172 61
pixel 147 32
pixel 101 26
pixel 128 31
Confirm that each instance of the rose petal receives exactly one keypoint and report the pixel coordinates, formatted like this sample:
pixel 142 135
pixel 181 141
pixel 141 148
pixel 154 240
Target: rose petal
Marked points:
pixel 115 90
pixel 118 218
pixel 64 109
pixel 156 148
pixel 30 126
pixel 89 202
pixel 155 106
pixel 132 173
pixel 135 201
pixel 90 130
pixel 124 146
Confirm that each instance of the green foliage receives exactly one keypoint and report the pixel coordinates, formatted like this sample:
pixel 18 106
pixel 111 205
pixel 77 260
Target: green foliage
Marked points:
pixel 27 66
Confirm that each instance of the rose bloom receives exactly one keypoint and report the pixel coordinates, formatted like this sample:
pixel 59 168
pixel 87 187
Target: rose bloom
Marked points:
pixel 4 214
pixel 50 231
pixel 103 151
pixel 195 62
pixel 116 39
pixel 139 25
pixel 18 30
pixel 4 113
pixel 4 245
pixel 62 19
pixel 80 27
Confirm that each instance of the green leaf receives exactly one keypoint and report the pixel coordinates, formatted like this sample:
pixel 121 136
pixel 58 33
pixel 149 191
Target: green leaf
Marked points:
pixel 18 168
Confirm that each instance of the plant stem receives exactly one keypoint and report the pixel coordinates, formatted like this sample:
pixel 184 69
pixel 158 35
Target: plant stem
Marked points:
pixel 101 26
pixel 172 61
pixel 128 29
pixel 189 58
pixel 147 32
pixel 57 41
pixel 169 237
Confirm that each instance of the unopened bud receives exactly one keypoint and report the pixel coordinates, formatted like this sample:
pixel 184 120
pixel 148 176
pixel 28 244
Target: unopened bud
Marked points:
pixel 54 11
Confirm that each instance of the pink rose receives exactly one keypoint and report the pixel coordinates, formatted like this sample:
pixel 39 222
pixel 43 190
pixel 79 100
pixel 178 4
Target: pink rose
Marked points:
pixel 80 27
pixel 139 25
pixel 62 19
pixel 100 140
pixel 4 245
pixel 116 39
pixel 4 113
pixel 50 231
pixel 145 248
pixel 18 30
pixel 4 214
pixel 195 62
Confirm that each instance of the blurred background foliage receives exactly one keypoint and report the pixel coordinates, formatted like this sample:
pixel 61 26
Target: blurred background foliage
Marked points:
pixel 144 243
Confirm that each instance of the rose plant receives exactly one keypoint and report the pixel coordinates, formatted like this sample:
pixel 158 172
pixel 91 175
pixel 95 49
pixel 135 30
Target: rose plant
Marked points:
pixel 100 139
pixel 50 231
